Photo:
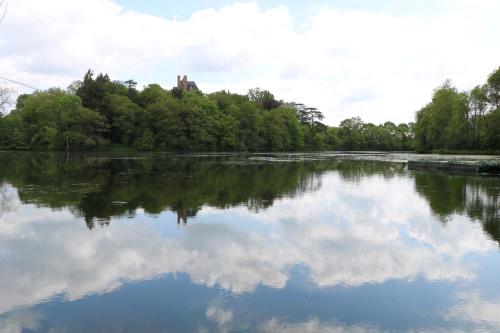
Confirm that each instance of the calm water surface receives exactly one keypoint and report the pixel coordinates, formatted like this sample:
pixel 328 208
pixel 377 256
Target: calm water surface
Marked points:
pixel 163 243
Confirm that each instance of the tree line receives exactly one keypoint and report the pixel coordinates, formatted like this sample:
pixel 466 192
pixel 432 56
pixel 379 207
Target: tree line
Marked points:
pixel 461 120
pixel 97 112
pixel 100 189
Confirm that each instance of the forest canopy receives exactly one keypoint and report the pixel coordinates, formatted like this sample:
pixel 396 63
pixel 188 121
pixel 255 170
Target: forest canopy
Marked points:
pixel 98 112
pixel 461 120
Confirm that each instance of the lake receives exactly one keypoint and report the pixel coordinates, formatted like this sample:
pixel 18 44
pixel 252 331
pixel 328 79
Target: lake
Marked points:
pixel 245 243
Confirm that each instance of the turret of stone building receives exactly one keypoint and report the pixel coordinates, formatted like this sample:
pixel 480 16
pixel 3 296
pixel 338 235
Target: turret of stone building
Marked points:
pixel 184 84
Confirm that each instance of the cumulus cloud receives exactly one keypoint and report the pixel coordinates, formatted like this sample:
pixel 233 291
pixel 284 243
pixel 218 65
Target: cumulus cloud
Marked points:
pixel 343 235
pixel 346 62
pixel 317 326
pixel 314 325
pixel 20 321
pixel 473 309
pixel 221 316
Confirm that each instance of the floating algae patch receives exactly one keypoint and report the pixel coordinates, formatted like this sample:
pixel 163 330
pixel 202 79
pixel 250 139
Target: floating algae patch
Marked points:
pixel 321 156
pixel 455 163
pixel 467 163
pixel 474 166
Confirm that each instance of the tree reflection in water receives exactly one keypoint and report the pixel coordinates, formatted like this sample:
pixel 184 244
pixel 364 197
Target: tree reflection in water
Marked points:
pixel 100 187
pixel 354 235
pixel 478 197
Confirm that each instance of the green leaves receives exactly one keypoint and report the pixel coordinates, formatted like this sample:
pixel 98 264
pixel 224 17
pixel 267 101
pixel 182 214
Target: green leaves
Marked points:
pixel 53 119
pixel 97 111
pixel 461 120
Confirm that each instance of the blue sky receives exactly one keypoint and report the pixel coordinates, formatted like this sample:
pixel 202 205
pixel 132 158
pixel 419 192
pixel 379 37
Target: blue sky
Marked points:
pixel 379 60
pixel 299 9
pixel 182 10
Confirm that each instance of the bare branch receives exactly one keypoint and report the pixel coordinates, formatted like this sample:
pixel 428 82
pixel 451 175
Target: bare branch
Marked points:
pixel 6 95
pixel 4 5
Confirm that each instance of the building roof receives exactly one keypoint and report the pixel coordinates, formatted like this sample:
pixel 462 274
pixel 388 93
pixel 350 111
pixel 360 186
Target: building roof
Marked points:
pixel 192 85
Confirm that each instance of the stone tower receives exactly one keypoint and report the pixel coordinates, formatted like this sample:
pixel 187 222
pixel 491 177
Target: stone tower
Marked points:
pixel 185 85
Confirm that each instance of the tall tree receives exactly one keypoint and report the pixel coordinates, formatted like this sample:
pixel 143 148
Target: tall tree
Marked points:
pixel 493 89
pixel 263 98
pixel 6 95
pixel 478 106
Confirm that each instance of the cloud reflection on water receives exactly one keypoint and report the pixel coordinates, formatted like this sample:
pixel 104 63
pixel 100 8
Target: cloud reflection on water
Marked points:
pixel 344 234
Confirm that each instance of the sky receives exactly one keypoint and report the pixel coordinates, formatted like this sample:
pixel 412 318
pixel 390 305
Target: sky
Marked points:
pixel 379 60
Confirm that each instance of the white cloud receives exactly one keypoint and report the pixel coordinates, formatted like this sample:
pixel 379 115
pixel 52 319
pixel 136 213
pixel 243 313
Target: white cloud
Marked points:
pixel 343 235
pixel 474 309
pixel 347 63
pixel 222 317
pixel 313 326
pixel 19 321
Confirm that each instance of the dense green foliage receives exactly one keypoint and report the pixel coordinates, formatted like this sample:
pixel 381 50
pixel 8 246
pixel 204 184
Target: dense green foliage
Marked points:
pixel 461 120
pixel 476 197
pixel 99 187
pixel 97 111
